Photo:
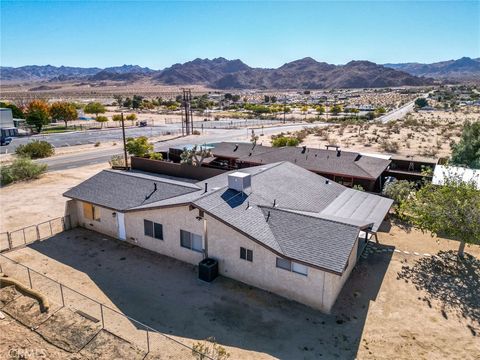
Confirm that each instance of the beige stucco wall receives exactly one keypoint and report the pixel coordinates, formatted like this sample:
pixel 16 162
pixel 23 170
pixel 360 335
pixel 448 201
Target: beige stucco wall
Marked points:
pixel 319 289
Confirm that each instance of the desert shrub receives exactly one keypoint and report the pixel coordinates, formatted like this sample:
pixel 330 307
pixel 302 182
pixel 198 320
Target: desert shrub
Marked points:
pixel 196 132
pixel 155 156
pixel 21 169
pixel 36 149
pixel 209 349
pixel 116 160
pixel 389 146
pixel 285 141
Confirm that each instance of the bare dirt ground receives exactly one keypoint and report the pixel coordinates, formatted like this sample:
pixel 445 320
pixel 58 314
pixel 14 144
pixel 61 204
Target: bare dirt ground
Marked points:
pixel 427 134
pixel 40 199
pixel 395 305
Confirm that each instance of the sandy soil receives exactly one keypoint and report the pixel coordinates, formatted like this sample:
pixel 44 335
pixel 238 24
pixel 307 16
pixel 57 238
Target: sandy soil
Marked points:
pixel 49 188
pixel 391 307
pixel 426 134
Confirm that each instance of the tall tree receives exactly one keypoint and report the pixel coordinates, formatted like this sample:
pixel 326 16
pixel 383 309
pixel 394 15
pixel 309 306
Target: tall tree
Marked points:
pixel 63 111
pixel 467 151
pixel 451 210
pixel 94 108
pixel 17 113
pixel 38 114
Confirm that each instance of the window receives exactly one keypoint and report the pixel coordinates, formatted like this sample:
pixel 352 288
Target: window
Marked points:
pixel 91 212
pixel 246 254
pixel 191 241
pixel 292 266
pixel 153 229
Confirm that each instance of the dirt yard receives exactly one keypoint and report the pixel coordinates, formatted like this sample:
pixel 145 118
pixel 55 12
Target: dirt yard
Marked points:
pixel 428 134
pixel 20 205
pixel 395 305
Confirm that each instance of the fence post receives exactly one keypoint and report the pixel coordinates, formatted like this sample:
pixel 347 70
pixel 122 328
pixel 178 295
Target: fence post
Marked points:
pixel 29 278
pixel 24 238
pixel 38 232
pixel 61 293
pixel 9 239
pixel 101 312
pixel 50 223
pixel 148 342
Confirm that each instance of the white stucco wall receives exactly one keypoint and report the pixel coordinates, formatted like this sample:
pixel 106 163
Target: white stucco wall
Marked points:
pixel 319 289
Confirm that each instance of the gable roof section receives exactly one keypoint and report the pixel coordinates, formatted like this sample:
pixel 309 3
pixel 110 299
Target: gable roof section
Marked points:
pixel 120 190
pixel 313 240
pixel 317 160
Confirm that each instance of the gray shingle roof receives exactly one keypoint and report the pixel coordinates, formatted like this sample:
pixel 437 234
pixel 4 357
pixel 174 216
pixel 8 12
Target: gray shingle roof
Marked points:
pixel 317 160
pixel 313 221
pixel 120 190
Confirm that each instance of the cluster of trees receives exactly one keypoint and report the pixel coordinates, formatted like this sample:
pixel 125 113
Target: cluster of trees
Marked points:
pixel 142 148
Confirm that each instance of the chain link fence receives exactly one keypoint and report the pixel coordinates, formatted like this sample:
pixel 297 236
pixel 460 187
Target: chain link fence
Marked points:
pixel 14 239
pixel 151 341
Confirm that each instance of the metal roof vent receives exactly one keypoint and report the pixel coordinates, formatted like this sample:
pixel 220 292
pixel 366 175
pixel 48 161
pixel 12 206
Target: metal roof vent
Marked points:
pixel 239 181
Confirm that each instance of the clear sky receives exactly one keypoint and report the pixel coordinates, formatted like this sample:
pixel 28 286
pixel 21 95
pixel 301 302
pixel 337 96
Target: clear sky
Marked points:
pixel 264 34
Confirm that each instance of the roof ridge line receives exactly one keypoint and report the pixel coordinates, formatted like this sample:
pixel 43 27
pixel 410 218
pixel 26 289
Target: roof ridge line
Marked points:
pixel 291 211
pixel 153 178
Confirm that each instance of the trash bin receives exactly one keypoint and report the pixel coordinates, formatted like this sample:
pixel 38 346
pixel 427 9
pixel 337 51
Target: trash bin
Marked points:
pixel 208 269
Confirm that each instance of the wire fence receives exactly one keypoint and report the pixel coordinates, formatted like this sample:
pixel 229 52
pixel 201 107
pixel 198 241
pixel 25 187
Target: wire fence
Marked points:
pixel 144 337
pixel 21 237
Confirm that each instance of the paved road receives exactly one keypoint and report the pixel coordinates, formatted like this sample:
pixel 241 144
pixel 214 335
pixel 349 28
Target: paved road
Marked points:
pixel 399 113
pixel 210 136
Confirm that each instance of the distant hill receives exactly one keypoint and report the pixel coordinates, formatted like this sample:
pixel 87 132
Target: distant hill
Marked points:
pixel 221 73
pixel 199 71
pixel 461 69
pixel 308 73
pixel 47 72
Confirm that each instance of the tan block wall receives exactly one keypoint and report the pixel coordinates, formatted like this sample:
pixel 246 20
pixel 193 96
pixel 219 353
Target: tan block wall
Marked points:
pixel 319 289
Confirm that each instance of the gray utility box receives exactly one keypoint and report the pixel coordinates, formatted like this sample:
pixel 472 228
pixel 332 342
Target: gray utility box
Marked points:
pixel 208 269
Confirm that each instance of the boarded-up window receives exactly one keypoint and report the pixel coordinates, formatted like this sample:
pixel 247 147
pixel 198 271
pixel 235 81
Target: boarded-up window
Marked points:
pixel 91 212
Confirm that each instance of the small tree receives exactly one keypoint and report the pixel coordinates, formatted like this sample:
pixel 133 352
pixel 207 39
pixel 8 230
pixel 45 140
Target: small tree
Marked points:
pixel 17 113
pixel 63 111
pixel 139 146
pixel 421 102
pixel 336 109
pixel 194 156
pixel 38 114
pixel 399 191
pixel 467 151
pixel 451 210
pixel 117 117
pixel 101 119
pixel 94 108
pixel 320 109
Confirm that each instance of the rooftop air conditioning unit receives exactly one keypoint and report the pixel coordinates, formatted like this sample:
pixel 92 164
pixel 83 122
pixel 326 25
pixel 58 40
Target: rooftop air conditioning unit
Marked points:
pixel 239 181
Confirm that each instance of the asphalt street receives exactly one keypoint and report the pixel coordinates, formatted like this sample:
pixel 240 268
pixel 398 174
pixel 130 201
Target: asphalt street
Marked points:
pixel 209 136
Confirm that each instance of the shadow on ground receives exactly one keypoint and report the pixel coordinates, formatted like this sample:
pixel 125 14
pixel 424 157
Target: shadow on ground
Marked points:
pixel 166 294
pixel 455 282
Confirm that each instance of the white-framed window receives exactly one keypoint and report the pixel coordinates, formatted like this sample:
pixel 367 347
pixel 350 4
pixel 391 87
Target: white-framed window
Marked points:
pixel 246 254
pixel 153 229
pixel 289 265
pixel 191 241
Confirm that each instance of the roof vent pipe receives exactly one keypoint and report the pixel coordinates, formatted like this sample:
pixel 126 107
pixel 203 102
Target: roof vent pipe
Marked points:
pixel 206 187
pixel 339 152
pixel 327 182
pixel 274 202
pixel 304 149
pixel 236 147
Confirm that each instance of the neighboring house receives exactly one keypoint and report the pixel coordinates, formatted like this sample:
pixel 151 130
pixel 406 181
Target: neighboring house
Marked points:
pixel 464 174
pixel 344 167
pixel 278 227
pixel 7 126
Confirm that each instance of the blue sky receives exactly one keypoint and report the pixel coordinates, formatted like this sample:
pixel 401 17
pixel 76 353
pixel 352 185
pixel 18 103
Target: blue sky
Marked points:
pixel 265 34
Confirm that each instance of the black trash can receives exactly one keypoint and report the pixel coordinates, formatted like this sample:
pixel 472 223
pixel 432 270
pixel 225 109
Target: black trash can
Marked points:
pixel 208 269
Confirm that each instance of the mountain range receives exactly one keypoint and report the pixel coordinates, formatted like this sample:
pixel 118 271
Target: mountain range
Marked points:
pixel 221 73
pixel 461 69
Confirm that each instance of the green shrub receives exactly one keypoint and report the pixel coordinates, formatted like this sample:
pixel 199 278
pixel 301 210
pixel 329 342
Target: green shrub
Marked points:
pixel 285 141
pixel 21 169
pixel 36 149
pixel 155 156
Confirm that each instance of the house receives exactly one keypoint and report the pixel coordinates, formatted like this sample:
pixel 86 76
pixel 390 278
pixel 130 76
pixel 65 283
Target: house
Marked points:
pixel 277 227
pixel 456 172
pixel 7 126
pixel 344 167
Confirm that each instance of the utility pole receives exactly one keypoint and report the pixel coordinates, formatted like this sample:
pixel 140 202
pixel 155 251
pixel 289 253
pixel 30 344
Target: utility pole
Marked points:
pixel 284 107
pixel 187 121
pixel 124 144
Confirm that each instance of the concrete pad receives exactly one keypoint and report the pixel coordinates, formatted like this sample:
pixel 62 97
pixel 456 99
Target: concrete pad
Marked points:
pixel 68 330
pixel 27 311
pixel 106 346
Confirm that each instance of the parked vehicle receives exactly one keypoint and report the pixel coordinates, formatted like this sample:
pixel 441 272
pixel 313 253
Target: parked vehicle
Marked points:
pixel 142 123
pixel 5 140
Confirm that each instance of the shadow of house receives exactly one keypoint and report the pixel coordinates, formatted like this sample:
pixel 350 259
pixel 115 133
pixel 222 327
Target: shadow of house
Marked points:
pixel 166 294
